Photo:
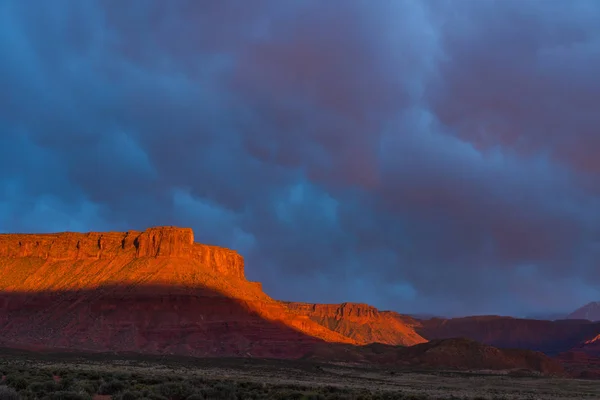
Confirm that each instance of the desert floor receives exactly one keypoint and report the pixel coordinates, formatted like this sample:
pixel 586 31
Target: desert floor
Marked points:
pixel 72 376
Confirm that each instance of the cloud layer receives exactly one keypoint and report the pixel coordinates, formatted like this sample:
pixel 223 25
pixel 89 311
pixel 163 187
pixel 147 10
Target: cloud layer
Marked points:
pixel 423 156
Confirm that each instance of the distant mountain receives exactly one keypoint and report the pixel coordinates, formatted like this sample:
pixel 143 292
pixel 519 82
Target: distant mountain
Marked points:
pixel 590 311
pixel 546 316
pixel 550 337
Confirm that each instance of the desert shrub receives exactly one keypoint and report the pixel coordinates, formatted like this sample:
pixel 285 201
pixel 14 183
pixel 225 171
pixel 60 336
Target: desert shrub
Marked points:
pixel 391 396
pixel 291 395
pixel 36 387
pixel 151 380
pixel 17 382
pixel 198 381
pixel 28 395
pixel 65 384
pixel 90 375
pixel 250 386
pixel 175 390
pixel 50 386
pixel 412 396
pixel 112 387
pixel 339 396
pixel 8 393
pixel 154 396
pixel 67 395
pixel 62 372
pixel 220 391
pixel 130 395
pixel 333 389
pixel 313 396
pixel 122 376
pixel 90 387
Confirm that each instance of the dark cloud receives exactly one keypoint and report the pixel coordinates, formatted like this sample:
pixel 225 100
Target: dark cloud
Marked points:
pixel 420 156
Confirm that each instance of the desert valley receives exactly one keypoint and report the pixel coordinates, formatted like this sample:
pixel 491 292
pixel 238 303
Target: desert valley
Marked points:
pixel 299 199
pixel 157 293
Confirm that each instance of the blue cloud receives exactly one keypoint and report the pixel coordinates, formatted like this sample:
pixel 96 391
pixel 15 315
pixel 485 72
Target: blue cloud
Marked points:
pixel 426 156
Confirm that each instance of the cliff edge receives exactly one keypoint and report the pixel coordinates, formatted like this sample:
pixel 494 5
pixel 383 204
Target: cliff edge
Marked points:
pixel 361 322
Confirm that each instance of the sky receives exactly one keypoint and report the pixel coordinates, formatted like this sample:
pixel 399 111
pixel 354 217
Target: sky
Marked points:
pixel 421 156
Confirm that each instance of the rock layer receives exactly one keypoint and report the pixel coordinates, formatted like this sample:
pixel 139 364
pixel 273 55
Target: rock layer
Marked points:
pixel 360 322
pixel 160 242
pixel 143 275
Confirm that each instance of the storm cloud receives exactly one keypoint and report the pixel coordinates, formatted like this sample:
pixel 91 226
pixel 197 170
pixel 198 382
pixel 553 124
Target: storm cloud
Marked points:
pixel 421 156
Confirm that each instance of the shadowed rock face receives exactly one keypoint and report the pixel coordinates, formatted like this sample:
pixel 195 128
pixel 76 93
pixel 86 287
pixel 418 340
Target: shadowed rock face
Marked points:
pixel 147 319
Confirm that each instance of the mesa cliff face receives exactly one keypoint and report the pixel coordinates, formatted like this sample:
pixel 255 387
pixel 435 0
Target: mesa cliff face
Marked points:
pixel 153 291
pixel 154 243
pixel 360 322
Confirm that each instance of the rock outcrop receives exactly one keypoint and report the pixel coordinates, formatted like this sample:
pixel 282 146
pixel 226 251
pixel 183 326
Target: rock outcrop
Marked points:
pixel 361 322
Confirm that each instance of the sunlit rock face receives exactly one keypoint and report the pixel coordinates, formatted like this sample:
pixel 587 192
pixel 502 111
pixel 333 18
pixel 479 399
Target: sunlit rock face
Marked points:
pixel 159 292
pixel 155 291
pixel 361 322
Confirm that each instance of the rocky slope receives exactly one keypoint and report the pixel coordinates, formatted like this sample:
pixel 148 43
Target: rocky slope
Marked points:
pixel 360 322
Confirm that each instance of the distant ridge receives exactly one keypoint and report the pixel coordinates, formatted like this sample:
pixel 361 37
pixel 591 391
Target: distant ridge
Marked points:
pixel 590 311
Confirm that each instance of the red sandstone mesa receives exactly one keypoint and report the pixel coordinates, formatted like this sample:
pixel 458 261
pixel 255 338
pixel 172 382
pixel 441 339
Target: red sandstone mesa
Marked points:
pixel 360 322
pixel 152 291
pixel 159 292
